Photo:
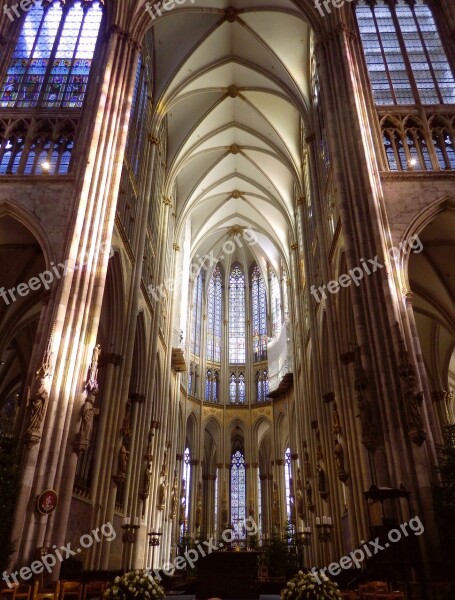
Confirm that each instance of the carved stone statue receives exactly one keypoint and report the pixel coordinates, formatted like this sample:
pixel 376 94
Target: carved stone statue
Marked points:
pixel 309 494
pixel 321 479
pixel 299 504
pixel 122 461
pixel 307 464
pixel 336 425
pixel 38 407
pixel 251 508
pixel 174 501
pixel 162 494
pixel 87 414
pixel 339 457
pixel 92 378
pixel 164 467
pixel 146 481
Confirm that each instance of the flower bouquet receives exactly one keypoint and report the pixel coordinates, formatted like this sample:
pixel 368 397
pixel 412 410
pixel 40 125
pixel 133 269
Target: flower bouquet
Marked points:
pixel 304 586
pixel 137 584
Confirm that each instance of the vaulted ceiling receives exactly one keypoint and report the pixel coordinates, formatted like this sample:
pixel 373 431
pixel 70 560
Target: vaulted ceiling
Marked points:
pixel 234 85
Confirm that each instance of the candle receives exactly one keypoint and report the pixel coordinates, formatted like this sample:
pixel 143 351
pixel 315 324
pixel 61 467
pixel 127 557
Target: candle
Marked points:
pixel 324 520
pixel 318 521
pixel 136 520
pixel 329 520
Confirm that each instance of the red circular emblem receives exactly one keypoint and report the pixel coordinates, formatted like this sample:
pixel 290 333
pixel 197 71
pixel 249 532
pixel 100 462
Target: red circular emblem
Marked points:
pixel 47 502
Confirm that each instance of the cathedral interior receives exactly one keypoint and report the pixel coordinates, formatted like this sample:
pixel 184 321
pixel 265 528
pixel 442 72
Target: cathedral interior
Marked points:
pixel 227 303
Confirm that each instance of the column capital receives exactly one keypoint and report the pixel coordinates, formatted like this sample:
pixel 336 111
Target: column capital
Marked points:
pixel 194 462
pixel 179 457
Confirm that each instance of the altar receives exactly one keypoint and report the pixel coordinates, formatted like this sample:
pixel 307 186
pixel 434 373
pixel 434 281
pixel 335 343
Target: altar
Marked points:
pixel 228 575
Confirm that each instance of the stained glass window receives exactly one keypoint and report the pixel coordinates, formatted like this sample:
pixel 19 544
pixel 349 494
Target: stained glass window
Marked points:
pixel 242 388
pixel 238 490
pixel 208 384
pixel 262 386
pixel 196 316
pixel 191 379
pixel 259 310
pixel 275 298
pixel 214 303
pixel 187 479
pixel 237 388
pixel 211 385
pixel 51 63
pixel 232 388
pixel 444 147
pixel 236 315
pixel 287 481
pixel 137 127
pixel 405 58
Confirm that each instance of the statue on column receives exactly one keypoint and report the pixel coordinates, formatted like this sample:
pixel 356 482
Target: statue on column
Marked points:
pixel 309 495
pixel 146 481
pixel 307 464
pixel 122 462
pixel 336 425
pixel 174 501
pixel 38 399
pixel 38 408
pixel 162 493
pixel 88 410
pixel 339 461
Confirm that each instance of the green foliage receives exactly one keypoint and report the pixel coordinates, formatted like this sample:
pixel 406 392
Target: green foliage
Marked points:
pixel 280 554
pixel 9 480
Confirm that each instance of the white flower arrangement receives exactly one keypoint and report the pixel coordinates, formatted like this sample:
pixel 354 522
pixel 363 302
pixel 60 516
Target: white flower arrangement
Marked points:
pixel 134 584
pixel 304 586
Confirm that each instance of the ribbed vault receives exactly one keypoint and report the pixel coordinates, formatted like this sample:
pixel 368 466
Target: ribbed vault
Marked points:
pixel 233 85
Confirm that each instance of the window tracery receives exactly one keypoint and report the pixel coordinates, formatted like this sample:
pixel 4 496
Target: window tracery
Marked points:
pixel 51 63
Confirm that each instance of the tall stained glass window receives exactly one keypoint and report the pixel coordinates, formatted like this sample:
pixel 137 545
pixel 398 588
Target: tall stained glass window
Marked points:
pixel 196 316
pixel 214 317
pixel 211 385
pixel 232 388
pixel 236 315
pixel 259 310
pixel 287 481
pixel 262 385
pixel 51 63
pixel 187 480
pixel 137 127
pixel 275 298
pixel 405 58
pixel 237 388
pixel 238 490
